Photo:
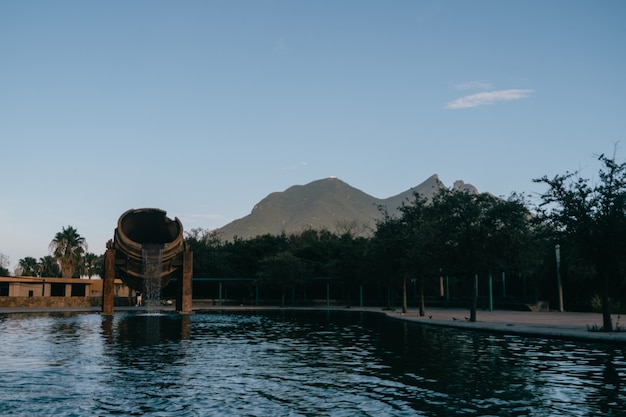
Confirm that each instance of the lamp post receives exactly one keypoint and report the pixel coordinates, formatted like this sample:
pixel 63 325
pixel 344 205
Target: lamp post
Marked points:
pixel 557 251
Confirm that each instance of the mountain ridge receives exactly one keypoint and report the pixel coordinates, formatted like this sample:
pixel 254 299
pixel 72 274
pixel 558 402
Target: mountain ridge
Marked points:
pixel 327 203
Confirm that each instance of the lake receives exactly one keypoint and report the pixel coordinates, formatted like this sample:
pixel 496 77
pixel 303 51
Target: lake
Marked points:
pixel 294 363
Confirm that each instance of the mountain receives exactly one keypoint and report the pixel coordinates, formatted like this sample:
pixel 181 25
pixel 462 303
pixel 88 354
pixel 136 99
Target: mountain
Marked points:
pixel 324 204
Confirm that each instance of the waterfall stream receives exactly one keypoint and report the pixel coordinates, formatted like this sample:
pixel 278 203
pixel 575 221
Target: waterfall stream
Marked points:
pixel 152 267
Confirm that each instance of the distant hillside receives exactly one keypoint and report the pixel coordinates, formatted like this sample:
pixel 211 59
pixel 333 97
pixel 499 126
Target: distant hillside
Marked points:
pixel 323 204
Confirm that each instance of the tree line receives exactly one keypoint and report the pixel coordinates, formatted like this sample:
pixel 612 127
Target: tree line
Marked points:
pixel 461 236
pixel 69 258
pixel 468 237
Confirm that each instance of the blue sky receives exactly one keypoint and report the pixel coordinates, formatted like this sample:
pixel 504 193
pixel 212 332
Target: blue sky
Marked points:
pixel 202 108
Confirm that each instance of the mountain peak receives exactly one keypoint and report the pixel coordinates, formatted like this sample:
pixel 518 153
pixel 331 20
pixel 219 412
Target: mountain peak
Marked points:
pixel 462 186
pixel 328 203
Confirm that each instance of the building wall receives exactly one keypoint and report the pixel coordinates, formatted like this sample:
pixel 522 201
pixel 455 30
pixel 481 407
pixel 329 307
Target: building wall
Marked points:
pixel 57 292
pixel 23 289
pixel 40 301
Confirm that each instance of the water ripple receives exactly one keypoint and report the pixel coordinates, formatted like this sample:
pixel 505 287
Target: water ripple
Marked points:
pixel 294 364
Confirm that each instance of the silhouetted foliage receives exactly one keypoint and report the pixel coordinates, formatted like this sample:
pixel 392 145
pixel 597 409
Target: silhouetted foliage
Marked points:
pixel 210 256
pixel 283 270
pixel 92 265
pixel 4 264
pixel 458 234
pixel 29 267
pixel 50 267
pixel 68 248
pixel 589 221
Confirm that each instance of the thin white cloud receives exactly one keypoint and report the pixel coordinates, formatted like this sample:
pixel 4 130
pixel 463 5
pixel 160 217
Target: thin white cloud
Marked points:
pixel 490 97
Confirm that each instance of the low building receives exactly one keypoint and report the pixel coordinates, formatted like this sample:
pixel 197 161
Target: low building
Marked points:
pixel 57 292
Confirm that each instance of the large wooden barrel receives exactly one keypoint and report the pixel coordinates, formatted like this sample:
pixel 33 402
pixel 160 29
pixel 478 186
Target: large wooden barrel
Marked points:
pixel 140 231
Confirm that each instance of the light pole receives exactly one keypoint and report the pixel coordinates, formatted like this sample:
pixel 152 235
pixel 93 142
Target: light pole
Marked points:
pixel 557 251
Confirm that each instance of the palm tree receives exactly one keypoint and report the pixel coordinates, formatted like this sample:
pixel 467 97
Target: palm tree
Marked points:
pixel 49 267
pixel 92 265
pixel 29 266
pixel 68 248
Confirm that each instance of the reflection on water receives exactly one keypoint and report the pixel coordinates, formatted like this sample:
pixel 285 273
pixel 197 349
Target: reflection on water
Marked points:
pixel 296 364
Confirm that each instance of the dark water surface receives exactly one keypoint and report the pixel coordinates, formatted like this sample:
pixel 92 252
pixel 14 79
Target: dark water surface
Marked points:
pixel 294 364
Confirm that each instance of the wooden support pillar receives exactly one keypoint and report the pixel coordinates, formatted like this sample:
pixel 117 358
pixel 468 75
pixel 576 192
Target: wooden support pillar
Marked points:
pixel 184 300
pixel 108 286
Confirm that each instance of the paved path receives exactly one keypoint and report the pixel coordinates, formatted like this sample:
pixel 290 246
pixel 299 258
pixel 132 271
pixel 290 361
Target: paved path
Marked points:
pixel 543 324
pixel 575 326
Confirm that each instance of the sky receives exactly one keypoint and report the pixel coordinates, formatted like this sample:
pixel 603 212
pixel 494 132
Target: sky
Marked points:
pixel 203 108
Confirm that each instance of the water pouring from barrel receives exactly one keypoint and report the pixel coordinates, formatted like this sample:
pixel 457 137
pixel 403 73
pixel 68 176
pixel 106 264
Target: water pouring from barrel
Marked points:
pixel 147 250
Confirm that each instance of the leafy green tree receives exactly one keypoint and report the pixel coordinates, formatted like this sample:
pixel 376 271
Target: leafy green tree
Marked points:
pixel 92 265
pixel 589 221
pixel 68 248
pixel 283 271
pixel 29 267
pixel 49 267
pixel 211 257
pixel 315 248
pixel 387 256
pixel 4 264
pixel 245 255
pixel 459 216
pixel 478 233
pixel 402 247
pixel 511 235
pixel 417 232
pixel 348 255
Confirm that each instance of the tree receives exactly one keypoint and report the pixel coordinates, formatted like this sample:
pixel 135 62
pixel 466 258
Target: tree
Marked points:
pixel 387 255
pixel 417 232
pixel 589 220
pixel 211 257
pixel 316 248
pixel 29 267
pixel 68 248
pixel 244 255
pixel 459 216
pixel 400 247
pixel 510 233
pixel 348 257
pixel 92 265
pixel 4 264
pixel 283 270
pixel 49 267
pixel 478 233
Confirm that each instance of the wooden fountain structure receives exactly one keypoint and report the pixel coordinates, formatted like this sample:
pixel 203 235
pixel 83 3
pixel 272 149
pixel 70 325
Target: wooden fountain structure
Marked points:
pixel 124 256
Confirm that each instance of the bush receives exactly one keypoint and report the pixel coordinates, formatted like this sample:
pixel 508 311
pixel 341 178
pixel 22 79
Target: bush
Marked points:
pixel 596 304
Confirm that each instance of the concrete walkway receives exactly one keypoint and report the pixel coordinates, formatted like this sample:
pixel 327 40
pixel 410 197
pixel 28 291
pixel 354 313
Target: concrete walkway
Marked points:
pixel 573 326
